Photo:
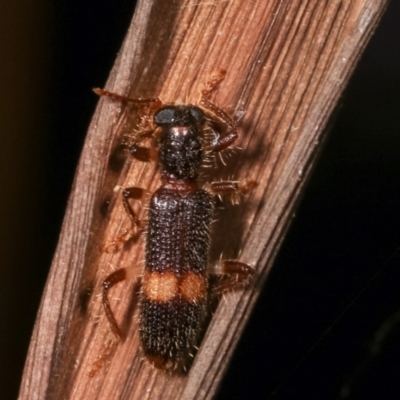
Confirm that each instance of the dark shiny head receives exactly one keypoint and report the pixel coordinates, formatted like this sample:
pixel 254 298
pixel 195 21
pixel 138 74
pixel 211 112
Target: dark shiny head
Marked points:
pixel 179 116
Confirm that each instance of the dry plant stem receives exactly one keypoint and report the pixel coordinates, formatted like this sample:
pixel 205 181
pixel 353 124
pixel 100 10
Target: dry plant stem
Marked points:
pixel 287 63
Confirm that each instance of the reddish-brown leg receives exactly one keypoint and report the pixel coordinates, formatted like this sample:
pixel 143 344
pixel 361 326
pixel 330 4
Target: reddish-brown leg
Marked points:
pixel 237 274
pixel 144 154
pixel 127 194
pixel 139 100
pixel 111 280
pixel 109 346
pixel 232 189
pixel 141 153
pixel 230 135
pixel 145 122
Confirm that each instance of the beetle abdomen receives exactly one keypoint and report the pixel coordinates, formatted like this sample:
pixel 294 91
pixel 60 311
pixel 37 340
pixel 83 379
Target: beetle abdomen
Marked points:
pixel 174 287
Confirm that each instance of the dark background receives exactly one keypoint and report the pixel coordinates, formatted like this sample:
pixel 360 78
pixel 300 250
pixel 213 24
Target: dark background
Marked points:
pixel 327 324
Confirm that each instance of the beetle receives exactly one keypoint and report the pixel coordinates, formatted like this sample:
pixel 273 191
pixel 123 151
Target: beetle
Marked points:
pixel 174 286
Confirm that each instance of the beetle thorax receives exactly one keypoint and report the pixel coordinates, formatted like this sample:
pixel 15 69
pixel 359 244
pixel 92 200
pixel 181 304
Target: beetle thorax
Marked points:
pixel 180 152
